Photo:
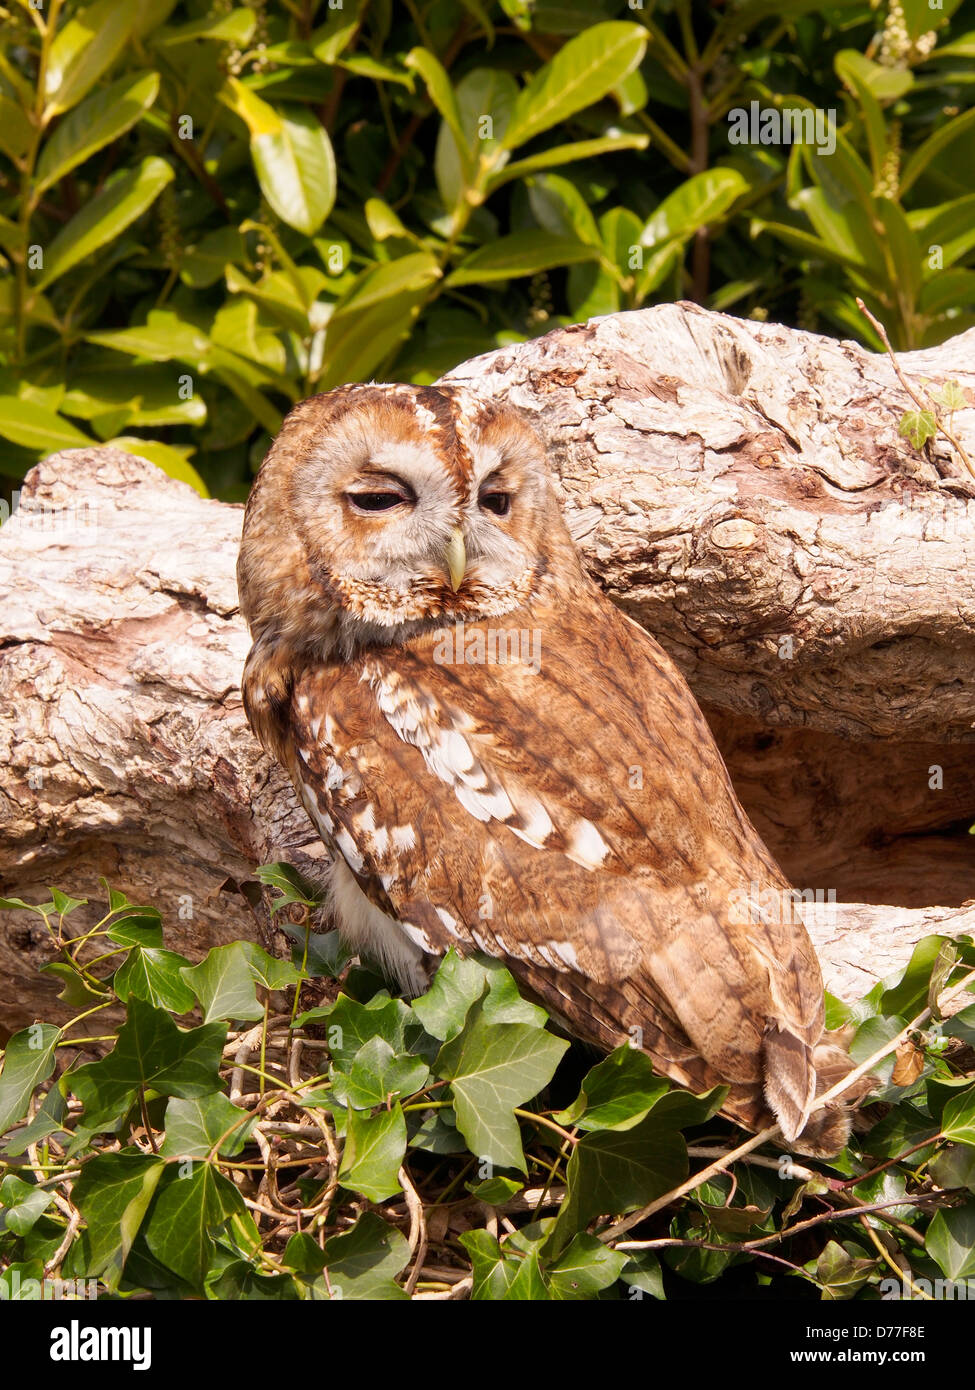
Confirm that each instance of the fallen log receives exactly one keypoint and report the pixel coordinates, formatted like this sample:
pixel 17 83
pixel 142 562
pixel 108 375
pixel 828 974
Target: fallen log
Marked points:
pixel 739 488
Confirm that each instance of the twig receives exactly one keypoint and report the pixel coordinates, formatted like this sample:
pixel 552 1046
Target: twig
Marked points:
pixel 418 1229
pixel 917 399
pixel 697 1179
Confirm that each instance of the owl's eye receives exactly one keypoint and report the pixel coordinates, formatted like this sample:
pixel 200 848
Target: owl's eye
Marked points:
pixel 497 502
pixel 377 501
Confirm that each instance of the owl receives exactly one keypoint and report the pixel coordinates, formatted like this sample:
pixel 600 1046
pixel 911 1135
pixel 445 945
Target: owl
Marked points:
pixel 497 759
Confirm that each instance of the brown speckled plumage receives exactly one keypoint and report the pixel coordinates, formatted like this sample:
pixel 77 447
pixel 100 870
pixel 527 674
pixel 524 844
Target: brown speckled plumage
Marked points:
pixel 570 813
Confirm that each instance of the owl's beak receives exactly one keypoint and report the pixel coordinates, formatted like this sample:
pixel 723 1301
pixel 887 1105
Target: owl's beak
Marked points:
pixel 456 558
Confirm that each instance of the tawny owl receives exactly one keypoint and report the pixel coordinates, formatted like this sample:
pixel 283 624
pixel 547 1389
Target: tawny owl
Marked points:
pixel 498 759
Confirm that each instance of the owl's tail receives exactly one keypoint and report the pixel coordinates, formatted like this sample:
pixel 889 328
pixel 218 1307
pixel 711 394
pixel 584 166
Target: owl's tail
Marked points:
pixel 796 1074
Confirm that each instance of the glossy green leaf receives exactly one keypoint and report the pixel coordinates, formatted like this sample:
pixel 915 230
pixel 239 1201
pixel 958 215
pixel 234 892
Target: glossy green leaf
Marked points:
pixel 558 207
pixel 521 253
pixel 154 975
pixel 292 156
pixel 25 423
pixel 375 317
pixel 485 98
pixel 170 459
pixel 617 1093
pixel 375 1146
pixel 113 1194
pixel 195 1127
pixel 442 95
pixel 123 199
pixel 224 984
pixel 103 117
pixel 362 1263
pixel 83 48
pixel 189 1208
pixel 237 27
pixel 459 983
pixel 612 1172
pixel 28 1059
pixel 21 1203
pixel 205 263
pixel 703 198
pixel 151 1052
pixel 950 1241
pixel 493 1067
pixel 579 75
pixel 957 128
pixel 559 155
pixel 16 131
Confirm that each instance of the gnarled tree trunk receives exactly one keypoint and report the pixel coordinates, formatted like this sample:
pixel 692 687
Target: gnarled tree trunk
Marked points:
pixel 740 489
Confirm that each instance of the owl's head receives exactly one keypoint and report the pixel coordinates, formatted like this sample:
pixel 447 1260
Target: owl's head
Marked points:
pixel 382 510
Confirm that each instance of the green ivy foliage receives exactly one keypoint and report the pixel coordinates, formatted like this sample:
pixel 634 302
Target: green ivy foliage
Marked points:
pixel 209 211
pixel 257 1128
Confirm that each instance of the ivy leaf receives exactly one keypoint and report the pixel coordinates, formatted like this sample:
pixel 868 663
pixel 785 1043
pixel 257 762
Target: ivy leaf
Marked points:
pixel 137 926
pixel 47 1121
pixel 495 1191
pixel 378 1073
pixel 224 985
pixel 958 1118
pixel 362 1263
pixel 584 1269
pixel 28 1059
pixel 951 395
pixel 908 995
pixel 373 1155
pixel 612 1172
pixel 194 1126
pixel 151 1052
pixel 950 1241
pixel 186 1212
pixel 351 1024
pixel 493 1272
pixel 113 1194
pixel 289 883
pixel 21 1203
pixel 155 976
pixel 321 953
pixel 493 1067
pixel 77 993
pixel 618 1093
pixel 841 1274
pixel 459 982
pixel 918 426
pixel 642 1271
pixel 267 970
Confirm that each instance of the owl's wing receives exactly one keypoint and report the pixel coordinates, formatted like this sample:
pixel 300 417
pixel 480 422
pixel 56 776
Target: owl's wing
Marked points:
pixel 577 820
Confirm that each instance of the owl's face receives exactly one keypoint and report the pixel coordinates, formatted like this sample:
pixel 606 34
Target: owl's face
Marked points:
pixel 397 507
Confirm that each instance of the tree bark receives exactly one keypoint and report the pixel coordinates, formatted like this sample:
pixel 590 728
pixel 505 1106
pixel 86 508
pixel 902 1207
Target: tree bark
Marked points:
pixel 738 488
